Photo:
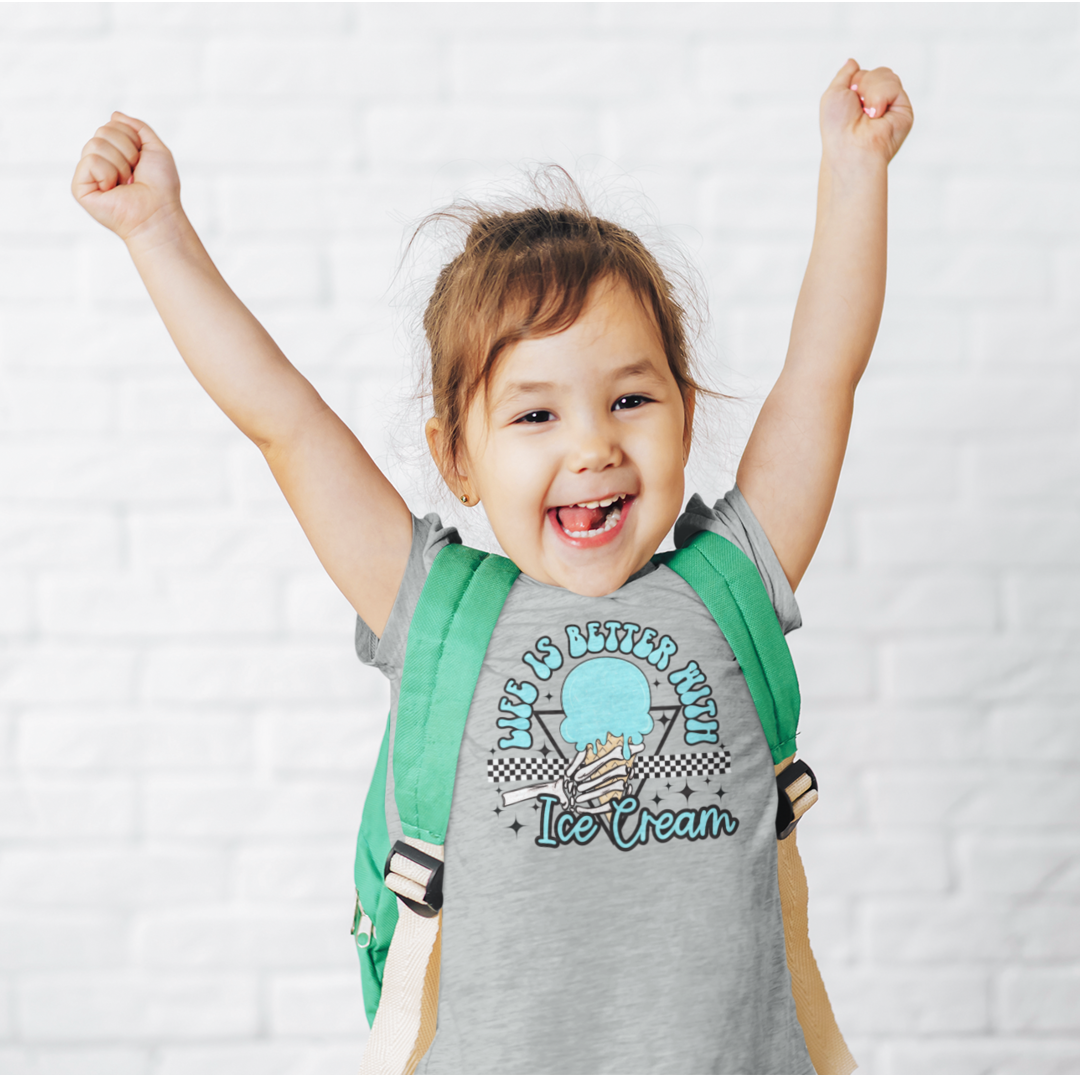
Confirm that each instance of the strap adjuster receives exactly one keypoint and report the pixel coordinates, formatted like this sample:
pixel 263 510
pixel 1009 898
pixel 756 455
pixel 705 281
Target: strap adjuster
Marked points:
pixel 415 877
pixel 797 791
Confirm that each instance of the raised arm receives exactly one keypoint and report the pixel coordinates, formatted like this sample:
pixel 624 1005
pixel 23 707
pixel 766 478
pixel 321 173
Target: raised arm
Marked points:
pixel 791 465
pixel 357 523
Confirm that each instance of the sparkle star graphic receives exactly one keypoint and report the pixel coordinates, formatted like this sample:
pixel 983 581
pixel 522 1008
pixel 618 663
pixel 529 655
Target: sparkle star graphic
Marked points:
pixel 545 750
pixel 720 793
pixel 516 826
pixel 656 799
pixel 686 792
pixel 497 811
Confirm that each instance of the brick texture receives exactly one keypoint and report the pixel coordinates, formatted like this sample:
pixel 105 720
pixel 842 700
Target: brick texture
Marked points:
pixel 185 736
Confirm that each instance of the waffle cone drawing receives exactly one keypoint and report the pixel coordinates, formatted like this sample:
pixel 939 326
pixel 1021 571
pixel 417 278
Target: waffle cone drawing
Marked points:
pixel 598 750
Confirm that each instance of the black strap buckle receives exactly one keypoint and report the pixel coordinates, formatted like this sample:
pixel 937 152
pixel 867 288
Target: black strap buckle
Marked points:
pixel 431 881
pixel 793 787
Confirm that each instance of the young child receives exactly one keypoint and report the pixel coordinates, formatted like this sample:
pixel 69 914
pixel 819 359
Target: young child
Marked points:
pixel 564 404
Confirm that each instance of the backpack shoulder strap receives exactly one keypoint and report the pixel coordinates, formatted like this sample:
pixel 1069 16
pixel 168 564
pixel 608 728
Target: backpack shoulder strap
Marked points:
pixel 448 637
pixel 730 586
pixel 458 607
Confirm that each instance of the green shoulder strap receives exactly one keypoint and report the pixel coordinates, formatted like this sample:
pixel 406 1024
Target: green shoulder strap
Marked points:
pixel 448 637
pixel 731 588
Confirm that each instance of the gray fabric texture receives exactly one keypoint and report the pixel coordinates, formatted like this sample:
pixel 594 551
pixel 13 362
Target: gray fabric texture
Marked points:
pixel 647 939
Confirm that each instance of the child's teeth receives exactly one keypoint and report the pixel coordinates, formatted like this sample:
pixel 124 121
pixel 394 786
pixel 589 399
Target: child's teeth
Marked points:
pixel 601 502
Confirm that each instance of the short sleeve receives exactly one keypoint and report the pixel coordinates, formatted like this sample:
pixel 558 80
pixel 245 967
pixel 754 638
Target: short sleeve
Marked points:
pixel 732 518
pixel 429 537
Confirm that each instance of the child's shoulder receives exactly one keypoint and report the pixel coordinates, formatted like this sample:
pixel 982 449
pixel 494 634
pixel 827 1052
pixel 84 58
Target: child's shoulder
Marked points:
pixel 732 518
pixel 429 537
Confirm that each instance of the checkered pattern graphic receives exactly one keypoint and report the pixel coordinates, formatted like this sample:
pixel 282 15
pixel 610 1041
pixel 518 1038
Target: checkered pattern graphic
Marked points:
pixel 646 767
pixel 667 766
pixel 510 770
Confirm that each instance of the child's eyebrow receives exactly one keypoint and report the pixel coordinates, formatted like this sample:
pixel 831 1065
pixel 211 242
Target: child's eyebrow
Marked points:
pixel 638 367
pixel 524 389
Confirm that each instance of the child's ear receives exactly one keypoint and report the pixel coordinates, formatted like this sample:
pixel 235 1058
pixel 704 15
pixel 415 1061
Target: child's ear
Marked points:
pixel 436 440
pixel 689 401
pixel 433 431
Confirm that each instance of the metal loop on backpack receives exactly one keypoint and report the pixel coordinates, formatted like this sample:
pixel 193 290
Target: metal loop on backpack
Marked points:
pixel 363 929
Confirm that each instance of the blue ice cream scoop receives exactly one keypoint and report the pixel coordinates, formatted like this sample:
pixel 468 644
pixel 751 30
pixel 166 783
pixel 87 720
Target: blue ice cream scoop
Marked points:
pixel 606 696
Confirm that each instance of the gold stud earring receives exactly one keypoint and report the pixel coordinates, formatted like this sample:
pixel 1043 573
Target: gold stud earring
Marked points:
pixel 465 499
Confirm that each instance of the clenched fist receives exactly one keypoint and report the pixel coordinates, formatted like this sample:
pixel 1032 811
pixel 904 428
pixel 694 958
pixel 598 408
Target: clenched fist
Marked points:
pixel 864 111
pixel 126 178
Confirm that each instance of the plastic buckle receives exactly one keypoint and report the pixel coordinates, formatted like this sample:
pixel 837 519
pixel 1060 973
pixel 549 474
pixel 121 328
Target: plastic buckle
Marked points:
pixel 432 902
pixel 793 787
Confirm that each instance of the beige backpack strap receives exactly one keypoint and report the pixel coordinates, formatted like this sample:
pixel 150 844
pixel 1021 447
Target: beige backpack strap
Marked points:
pixel 405 1022
pixel 828 1051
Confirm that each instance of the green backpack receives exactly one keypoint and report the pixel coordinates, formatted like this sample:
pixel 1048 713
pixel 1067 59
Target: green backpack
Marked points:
pixel 448 638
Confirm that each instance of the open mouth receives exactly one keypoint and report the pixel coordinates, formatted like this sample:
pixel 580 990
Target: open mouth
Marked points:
pixel 587 520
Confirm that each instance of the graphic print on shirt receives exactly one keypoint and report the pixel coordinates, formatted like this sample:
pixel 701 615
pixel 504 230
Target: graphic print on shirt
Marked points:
pixel 598 740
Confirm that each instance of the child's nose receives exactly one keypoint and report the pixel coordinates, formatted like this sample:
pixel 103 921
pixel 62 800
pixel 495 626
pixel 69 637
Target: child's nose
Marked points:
pixel 594 449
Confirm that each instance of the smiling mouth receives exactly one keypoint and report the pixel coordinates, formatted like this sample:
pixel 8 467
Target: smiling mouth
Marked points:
pixel 583 521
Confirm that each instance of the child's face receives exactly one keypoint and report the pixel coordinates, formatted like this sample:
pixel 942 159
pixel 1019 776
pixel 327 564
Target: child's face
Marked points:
pixel 584 416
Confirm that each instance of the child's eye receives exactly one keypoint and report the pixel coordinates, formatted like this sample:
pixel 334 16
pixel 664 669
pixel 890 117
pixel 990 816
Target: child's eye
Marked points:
pixel 537 416
pixel 630 401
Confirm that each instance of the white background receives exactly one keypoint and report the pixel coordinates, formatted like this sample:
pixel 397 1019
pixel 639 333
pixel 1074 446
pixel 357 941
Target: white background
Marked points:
pixel 185 734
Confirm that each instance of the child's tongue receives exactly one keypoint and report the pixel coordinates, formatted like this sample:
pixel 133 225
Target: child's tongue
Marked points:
pixel 582 518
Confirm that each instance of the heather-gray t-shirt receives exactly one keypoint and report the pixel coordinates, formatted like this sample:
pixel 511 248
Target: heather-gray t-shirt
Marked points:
pixel 588 930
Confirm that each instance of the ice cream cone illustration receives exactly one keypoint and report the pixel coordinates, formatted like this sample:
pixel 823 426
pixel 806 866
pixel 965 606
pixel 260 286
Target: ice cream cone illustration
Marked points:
pixel 606 704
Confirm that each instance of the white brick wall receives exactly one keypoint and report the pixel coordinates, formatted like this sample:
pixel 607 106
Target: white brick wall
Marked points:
pixel 185 735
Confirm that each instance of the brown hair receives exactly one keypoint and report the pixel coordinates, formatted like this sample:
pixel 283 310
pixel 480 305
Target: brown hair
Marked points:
pixel 527 273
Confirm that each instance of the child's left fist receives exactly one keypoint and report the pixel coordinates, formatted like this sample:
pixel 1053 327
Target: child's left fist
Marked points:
pixel 865 110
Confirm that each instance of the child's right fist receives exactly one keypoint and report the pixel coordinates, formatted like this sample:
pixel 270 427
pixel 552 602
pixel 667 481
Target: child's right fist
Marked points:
pixel 126 178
